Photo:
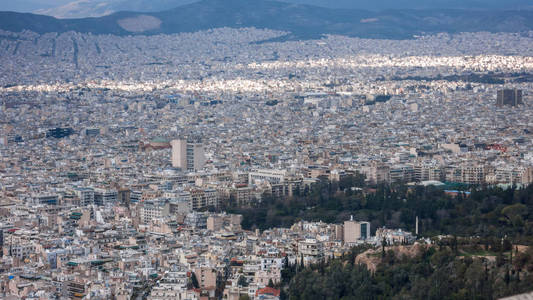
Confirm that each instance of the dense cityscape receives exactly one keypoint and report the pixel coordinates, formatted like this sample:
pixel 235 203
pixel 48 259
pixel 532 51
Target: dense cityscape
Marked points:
pixel 124 161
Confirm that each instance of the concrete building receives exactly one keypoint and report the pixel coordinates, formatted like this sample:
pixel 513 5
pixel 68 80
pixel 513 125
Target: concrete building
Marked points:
pixel 154 210
pixel 123 196
pixel 242 195
pixel 187 155
pixel 377 172
pixel 206 276
pixel 202 198
pixel 272 176
pixel 399 173
pixel 356 231
pixel 512 97
pixel 310 251
pixel 469 174
pixel 215 223
pixel 339 232
pixel 105 197
pixel 425 172
pixel 86 196
pixel 48 199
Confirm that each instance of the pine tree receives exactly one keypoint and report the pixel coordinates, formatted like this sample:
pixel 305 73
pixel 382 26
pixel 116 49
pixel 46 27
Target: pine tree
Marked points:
pixel 454 246
pixel 507 276
pixel 270 283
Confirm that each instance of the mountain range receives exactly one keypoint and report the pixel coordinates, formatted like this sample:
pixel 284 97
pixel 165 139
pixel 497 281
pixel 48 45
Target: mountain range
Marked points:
pixel 97 8
pixel 303 21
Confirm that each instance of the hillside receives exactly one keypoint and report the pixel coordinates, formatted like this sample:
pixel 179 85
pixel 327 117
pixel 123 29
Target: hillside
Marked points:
pixel 96 8
pixel 304 21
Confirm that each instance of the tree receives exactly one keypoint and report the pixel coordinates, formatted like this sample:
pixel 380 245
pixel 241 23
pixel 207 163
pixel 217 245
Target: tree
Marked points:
pixel 514 213
pixel 454 245
pixel 270 283
pixel 433 274
pixel 242 281
pixel 507 245
pixel 244 297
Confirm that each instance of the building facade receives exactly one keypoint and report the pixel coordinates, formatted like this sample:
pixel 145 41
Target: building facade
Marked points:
pixel 512 97
pixel 187 155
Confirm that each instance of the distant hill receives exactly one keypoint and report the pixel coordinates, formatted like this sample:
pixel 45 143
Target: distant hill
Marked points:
pixel 303 21
pixel 27 5
pixel 420 4
pixel 97 8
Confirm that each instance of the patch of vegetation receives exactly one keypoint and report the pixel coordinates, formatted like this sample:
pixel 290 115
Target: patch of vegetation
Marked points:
pixel 488 212
pixel 434 273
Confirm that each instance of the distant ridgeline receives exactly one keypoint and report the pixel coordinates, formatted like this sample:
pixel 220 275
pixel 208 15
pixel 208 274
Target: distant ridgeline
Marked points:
pixel 302 21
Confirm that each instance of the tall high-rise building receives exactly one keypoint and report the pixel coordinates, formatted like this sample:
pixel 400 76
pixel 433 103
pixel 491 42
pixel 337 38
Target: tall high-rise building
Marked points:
pixel 509 97
pixel 187 155
pixel 355 231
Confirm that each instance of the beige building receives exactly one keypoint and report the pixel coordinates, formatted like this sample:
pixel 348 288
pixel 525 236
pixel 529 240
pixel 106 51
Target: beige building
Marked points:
pixel 355 231
pixel 201 198
pixel 242 195
pixel 377 172
pixel 270 175
pixel 187 155
pixel 339 232
pixel 469 174
pixel 427 172
pixel 224 221
pixel 215 223
pixel 151 210
pixel 207 277
pixel 262 277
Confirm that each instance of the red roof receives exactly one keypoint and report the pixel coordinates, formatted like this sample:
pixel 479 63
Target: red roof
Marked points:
pixel 268 291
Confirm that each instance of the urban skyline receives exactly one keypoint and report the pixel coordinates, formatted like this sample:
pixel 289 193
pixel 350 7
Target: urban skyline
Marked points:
pixel 233 163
